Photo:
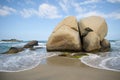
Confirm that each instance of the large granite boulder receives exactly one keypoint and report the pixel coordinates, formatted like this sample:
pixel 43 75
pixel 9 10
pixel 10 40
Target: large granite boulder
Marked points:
pixel 65 36
pixel 87 35
pixel 105 45
pixel 13 50
pixel 91 42
pixel 31 44
pixel 96 23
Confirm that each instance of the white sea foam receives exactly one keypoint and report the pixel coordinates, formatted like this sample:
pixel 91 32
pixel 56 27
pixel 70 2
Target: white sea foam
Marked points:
pixel 7 42
pixel 112 63
pixel 18 45
pixel 42 44
pixel 4 42
pixel 91 60
pixel 108 63
pixel 24 60
pixel 21 61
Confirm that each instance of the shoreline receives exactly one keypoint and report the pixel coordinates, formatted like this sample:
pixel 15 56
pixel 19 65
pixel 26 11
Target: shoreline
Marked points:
pixel 61 68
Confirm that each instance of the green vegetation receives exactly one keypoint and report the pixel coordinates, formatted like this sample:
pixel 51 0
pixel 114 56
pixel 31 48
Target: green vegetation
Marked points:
pixel 77 56
pixel 72 55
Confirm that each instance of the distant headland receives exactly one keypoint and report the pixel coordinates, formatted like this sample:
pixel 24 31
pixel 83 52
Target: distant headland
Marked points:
pixel 12 40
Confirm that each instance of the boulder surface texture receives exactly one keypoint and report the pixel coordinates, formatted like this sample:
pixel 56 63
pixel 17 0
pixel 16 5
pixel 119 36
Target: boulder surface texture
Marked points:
pixel 65 36
pixel 86 35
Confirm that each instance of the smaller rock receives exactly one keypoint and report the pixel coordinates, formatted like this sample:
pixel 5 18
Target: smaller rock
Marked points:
pixel 20 49
pixel 105 45
pixel 31 44
pixel 14 50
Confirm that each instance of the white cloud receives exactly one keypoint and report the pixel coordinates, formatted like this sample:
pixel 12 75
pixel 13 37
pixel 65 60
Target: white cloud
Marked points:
pixel 92 13
pixel 89 2
pixel 66 5
pixel 113 1
pixel 30 2
pixel 28 12
pixel 48 11
pixel 4 11
pixel 44 11
pixel 114 15
pixel 21 2
pixel 77 7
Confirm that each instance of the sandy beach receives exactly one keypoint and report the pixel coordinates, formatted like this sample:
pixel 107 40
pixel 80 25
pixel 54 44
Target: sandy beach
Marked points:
pixel 61 68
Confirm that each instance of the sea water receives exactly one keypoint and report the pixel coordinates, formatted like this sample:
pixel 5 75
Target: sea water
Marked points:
pixel 24 60
pixel 29 59
pixel 105 60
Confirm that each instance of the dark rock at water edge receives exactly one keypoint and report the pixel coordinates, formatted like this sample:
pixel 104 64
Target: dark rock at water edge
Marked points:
pixel 105 45
pixel 31 44
pixel 13 50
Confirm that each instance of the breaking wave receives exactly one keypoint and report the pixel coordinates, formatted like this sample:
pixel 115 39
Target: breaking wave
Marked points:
pixel 21 61
pixel 24 60
pixel 110 60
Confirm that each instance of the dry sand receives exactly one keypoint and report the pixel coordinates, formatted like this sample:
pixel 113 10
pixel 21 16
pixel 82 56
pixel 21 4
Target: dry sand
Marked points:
pixel 61 68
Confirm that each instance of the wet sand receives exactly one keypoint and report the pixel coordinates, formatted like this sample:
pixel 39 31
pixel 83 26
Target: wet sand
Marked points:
pixel 61 68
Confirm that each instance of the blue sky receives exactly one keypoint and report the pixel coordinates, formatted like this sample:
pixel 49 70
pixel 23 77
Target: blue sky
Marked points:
pixel 36 19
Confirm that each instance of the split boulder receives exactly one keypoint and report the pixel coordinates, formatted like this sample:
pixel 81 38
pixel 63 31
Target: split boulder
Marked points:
pixel 65 36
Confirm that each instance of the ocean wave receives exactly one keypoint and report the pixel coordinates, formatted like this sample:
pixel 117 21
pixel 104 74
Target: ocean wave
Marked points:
pixel 40 45
pixel 4 46
pixel 21 61
pixel 18 45
pixel 107 63
pixel 112 63
pixel 8 42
